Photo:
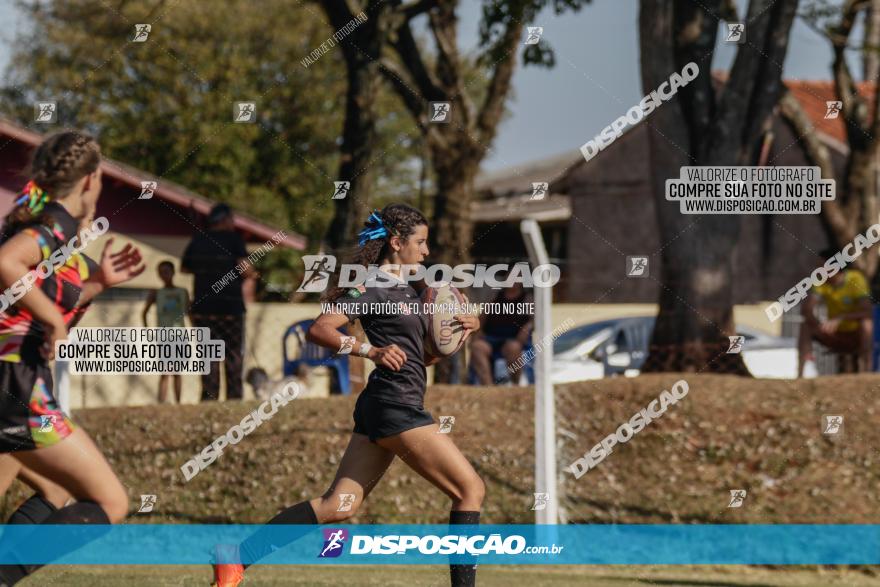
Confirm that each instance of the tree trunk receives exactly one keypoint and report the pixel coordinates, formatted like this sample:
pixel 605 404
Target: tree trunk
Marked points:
pixel 362 50
pixel 693 128
pixel 860 189
pixel 871 59
pixel 452 234
pixel 453 230
pixel 696 304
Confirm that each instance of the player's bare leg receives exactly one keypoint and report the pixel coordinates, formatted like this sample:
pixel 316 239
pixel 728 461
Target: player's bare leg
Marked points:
pixel 436 458
pixel 362 466
pixel 78 466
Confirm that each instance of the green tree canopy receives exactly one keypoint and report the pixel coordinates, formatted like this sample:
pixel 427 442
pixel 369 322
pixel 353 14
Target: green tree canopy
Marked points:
pixel 166 105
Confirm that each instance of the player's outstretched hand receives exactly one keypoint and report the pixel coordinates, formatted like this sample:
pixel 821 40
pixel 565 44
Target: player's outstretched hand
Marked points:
pixel 122 266
pixel 390 357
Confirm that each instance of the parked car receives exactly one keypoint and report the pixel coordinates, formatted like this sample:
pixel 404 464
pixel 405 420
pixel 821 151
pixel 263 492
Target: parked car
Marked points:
pixel 619 347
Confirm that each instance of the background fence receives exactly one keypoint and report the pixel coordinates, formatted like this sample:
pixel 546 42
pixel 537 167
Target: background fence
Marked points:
pixel 266 324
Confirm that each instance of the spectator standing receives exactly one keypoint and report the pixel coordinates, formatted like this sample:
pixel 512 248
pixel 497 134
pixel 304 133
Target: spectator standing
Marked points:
pixel 172 303
pixel 218 260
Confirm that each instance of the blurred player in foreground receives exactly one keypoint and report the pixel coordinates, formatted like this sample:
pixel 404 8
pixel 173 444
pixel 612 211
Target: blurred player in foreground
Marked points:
pixel 48 218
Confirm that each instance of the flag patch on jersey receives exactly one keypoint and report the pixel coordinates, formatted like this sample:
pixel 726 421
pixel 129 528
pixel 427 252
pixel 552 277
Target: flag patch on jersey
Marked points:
pixel 356 292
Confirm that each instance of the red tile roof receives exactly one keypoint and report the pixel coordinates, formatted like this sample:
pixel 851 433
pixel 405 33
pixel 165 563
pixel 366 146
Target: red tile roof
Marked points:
pixel 167 191
pixel 813 96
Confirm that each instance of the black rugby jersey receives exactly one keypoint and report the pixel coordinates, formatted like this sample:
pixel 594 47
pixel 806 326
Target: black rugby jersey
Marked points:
pixel 21 336
pixel 404 325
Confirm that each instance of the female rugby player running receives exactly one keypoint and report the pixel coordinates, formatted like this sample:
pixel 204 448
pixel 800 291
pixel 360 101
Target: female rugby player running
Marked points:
pixel 389 416
pixel 47 498
pixel 64 190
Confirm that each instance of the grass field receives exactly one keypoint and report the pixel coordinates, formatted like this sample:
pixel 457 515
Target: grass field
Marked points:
pixel 729 432
pixel 498 576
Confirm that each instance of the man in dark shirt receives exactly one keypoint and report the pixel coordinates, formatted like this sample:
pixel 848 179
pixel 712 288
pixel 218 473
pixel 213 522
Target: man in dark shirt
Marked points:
pixel 218 259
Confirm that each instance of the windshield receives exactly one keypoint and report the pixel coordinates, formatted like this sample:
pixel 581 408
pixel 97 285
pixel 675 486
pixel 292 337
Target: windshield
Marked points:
pixel 577 335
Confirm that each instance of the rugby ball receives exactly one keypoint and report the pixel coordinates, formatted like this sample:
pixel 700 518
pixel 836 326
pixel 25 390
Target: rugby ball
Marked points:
pixel 445 335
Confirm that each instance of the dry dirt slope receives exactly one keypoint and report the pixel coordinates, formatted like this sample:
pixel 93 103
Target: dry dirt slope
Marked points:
pixel 728 433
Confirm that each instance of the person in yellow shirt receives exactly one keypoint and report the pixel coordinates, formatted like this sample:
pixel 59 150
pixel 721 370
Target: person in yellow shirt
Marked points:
pixel 849 327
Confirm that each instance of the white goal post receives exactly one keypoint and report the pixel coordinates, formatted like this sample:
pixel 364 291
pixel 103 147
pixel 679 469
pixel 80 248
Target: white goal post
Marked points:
pixel 545 407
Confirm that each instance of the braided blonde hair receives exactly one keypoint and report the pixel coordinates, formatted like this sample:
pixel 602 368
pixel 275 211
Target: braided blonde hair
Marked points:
pixel 60 161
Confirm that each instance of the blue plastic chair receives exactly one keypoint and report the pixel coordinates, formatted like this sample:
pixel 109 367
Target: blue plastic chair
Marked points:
pixel 313 355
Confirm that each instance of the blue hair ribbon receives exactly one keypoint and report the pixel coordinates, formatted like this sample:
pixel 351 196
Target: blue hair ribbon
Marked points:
pixel 374 230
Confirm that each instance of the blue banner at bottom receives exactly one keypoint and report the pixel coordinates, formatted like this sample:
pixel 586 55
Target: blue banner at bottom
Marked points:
pixel 165 544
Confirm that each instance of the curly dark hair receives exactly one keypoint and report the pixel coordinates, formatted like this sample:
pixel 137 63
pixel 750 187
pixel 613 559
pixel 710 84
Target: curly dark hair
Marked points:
pixel 60 161
pixel 399 220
